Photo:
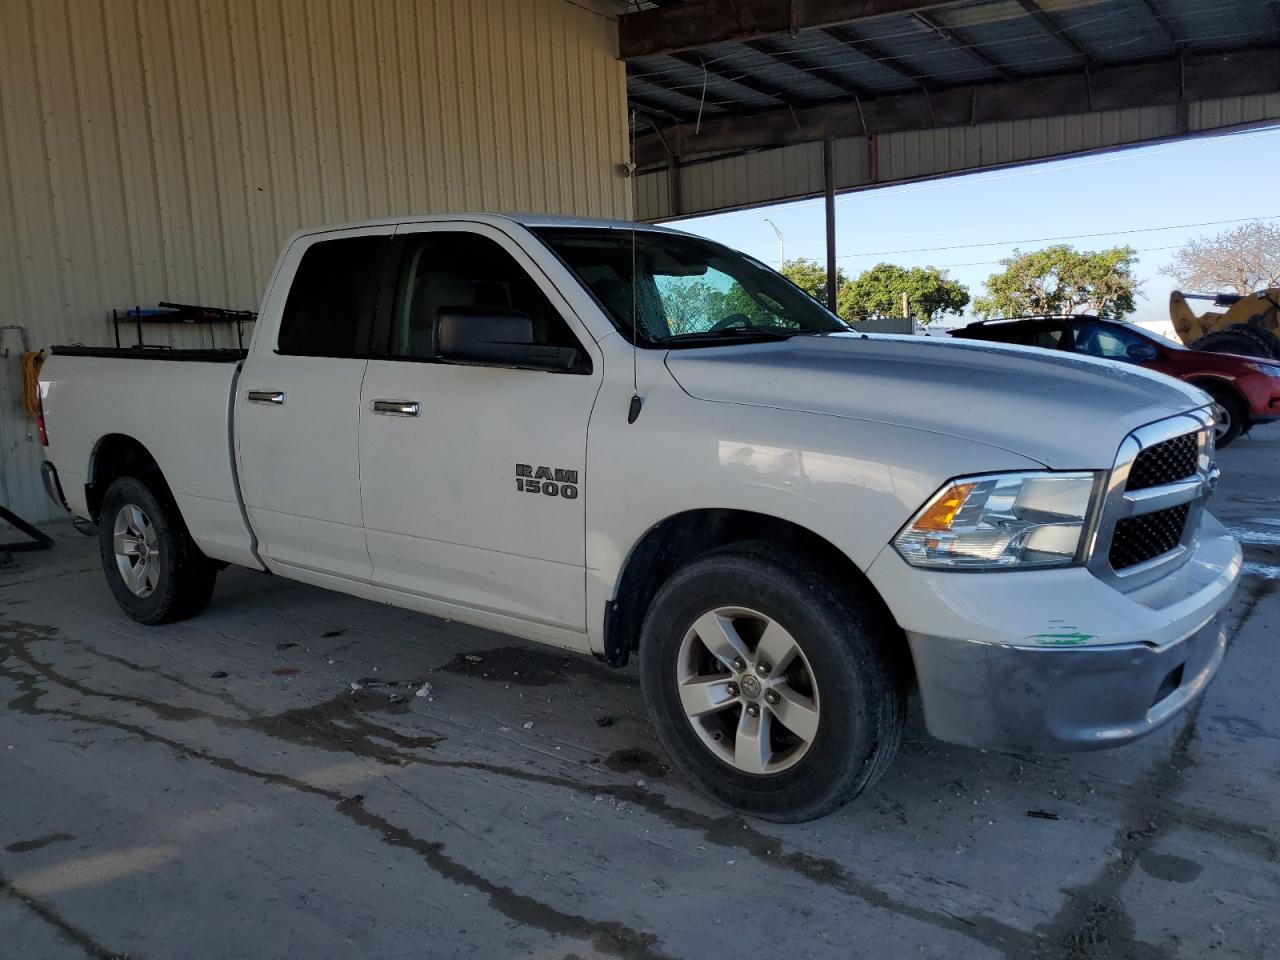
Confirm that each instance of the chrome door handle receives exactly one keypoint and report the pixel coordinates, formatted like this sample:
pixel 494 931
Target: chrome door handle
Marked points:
pixel 265 396
pixel 397 408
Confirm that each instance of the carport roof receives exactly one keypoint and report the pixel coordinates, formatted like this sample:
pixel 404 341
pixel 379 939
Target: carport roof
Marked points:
pixel 711 76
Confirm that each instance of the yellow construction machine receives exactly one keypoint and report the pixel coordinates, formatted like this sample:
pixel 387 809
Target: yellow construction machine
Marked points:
pixel 1249 324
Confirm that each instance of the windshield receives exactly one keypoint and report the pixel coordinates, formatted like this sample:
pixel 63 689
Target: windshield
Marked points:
pixel 1164 341
pixel 687 290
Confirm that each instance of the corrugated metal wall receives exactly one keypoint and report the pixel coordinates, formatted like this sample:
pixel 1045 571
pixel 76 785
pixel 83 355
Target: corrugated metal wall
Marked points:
pixel 796 171
pixel 163 149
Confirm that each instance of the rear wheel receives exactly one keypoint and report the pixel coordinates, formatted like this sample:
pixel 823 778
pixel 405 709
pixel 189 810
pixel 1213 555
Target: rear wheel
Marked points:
pixel 768 685
pixel 154 568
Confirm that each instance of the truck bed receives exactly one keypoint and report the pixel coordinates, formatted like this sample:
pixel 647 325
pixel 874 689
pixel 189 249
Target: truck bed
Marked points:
pixel 178 411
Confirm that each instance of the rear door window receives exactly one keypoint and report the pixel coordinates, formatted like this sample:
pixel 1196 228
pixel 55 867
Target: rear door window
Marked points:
pixel 1043 336
pixel 329 312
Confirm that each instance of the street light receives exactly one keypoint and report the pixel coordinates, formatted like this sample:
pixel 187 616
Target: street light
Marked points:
pixel 782 250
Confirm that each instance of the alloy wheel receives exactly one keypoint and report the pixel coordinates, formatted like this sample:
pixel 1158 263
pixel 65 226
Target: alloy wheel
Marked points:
pixel 1221 421
pixel 137 550
pixel 748 690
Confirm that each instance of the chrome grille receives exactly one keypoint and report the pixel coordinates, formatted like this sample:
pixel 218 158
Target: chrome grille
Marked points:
pixel 1164 462
pixel 1139 539
pixel 1151 511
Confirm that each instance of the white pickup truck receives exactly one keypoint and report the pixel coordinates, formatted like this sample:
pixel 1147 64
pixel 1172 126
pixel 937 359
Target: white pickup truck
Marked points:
pixel 791 524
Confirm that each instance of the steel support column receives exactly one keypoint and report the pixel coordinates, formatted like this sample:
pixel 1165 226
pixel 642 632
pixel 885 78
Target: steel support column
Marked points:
pixel 829 187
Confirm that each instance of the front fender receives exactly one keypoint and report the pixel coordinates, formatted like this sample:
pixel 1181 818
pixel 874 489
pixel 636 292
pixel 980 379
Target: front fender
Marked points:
pixel 851 482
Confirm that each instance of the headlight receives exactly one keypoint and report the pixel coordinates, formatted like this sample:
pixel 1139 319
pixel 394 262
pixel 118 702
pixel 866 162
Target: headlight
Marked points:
pixel 1001 521
pixel 1270 369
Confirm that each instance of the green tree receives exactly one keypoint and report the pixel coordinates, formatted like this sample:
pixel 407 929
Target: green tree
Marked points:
pixel 737 300
pixel 688 303
pixel 811 277
pixel 878 293
pixel 1062 280
pixel 808 275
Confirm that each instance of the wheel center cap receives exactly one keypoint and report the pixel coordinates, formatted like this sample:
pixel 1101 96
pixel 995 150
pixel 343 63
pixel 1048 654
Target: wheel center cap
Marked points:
pixel 750 686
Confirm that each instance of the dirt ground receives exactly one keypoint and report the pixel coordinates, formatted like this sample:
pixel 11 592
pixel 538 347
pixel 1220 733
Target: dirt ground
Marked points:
pixel 267 781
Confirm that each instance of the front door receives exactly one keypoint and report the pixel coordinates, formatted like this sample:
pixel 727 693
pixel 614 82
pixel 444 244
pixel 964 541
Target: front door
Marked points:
pixel 1112 342
pixel 472 476
pixel 297 406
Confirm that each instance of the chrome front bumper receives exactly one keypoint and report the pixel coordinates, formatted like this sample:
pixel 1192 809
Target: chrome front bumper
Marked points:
pixel 1060 698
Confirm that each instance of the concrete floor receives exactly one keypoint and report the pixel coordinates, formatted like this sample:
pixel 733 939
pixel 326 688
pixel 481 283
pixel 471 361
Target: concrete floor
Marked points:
pixel 263 782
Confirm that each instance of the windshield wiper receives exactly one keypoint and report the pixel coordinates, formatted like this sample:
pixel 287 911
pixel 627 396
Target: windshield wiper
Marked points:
pixel 731 335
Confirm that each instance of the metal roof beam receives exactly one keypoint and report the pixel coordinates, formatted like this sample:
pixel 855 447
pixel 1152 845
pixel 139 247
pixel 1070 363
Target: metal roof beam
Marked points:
pixel 965 42
pixel 797 61
pixel 873 52
pixel 651 107
pixel 1169 81
pixel 739 77
pixel 700 23
pixel 654 83
pixel 1050 25
pixel 1163 24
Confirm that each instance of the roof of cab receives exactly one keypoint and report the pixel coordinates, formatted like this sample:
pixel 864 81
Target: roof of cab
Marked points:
pixel 530 220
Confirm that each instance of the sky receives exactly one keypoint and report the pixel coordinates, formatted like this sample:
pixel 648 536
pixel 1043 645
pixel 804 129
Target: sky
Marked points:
pixel 1152 198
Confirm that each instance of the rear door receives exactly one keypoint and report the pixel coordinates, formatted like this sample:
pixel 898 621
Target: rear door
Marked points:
pixel 297 405
pixel 472 476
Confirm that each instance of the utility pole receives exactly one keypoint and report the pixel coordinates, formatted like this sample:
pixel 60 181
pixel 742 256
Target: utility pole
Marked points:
pixel 906 306
pixel 782 250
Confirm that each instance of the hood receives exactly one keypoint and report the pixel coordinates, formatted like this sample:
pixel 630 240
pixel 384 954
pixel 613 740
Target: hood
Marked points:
pixel 1065 411
pixel 1224 361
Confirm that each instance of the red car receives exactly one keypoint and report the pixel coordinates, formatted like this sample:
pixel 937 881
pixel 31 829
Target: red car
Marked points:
pixel 1246 390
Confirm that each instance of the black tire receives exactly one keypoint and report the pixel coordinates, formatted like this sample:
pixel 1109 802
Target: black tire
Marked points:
pixel 1230 410
pixel 854 650
pixel 1242 339
pixel 184 576
pixel 1268 342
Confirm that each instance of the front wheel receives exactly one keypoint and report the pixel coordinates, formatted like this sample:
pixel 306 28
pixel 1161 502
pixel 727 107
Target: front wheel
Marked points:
pixel 770 686
pixel 154 568
pixel 1229 415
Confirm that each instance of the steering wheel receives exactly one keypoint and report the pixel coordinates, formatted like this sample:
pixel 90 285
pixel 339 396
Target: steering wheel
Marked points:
pixel 732 320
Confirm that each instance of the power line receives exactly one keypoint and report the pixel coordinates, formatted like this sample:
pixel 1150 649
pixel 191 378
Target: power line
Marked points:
pixel 1071 236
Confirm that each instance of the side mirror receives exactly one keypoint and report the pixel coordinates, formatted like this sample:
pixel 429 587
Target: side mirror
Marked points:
pixel 1141 352
pixel 496 337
